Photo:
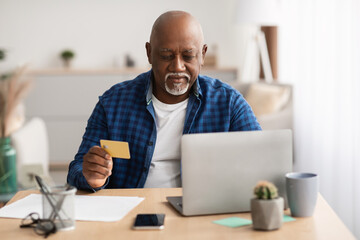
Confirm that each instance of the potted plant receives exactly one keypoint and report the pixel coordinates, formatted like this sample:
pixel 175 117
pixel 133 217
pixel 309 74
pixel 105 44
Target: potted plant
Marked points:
pixel 2 55
pixel 267 207
pixel 13 88
pixel 67 55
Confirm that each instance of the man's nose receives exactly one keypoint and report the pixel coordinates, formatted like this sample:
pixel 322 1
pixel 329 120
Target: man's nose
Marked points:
pixel 177 64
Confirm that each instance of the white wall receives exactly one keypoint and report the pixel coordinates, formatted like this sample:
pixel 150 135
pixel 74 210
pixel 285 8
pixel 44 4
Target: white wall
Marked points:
pixel 102 31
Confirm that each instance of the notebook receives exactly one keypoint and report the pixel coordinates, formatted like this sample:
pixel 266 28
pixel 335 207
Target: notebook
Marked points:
pixel 220 170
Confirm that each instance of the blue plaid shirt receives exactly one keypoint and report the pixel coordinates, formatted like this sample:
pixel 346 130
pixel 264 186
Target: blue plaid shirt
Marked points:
pixel 125 113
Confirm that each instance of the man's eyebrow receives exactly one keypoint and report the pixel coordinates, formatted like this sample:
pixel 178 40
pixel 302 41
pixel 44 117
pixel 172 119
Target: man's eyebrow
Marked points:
pixel 189 50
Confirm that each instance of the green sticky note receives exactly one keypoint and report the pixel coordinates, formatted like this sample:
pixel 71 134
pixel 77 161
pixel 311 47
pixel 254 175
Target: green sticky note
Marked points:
pixel 233 222
pixel 288 218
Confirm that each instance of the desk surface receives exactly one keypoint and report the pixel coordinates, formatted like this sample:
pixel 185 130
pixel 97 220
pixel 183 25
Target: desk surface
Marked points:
pixel 325 224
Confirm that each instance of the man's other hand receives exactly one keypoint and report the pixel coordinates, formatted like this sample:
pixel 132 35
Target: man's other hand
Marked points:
pixel 97 166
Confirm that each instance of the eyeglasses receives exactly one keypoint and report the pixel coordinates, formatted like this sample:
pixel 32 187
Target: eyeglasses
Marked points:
pixel 43 227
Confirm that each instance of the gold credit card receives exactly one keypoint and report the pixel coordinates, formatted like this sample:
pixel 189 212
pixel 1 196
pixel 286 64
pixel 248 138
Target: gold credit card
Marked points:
pixel 116 149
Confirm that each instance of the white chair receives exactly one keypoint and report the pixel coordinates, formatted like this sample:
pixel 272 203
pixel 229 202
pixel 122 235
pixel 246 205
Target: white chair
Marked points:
pixel 32 151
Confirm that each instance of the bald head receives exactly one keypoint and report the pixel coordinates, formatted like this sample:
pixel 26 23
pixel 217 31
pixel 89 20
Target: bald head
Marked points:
pixel 176 21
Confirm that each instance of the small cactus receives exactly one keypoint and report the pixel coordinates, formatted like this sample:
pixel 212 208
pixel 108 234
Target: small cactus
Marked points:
pixel 265 190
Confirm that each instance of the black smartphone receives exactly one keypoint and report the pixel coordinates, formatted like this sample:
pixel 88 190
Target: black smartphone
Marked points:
pixel 149 221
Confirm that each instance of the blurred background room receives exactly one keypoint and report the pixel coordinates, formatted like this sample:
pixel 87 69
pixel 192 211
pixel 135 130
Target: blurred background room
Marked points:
pixel 295 61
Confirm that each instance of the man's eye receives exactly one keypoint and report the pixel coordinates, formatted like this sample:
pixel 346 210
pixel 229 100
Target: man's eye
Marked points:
pixel 166 57
pixel 188 57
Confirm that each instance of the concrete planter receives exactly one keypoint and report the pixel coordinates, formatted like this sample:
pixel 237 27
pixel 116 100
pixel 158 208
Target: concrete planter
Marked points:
pixel 267 214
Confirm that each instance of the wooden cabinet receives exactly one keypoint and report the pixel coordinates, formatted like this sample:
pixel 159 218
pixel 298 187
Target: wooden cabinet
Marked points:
pixel 65 99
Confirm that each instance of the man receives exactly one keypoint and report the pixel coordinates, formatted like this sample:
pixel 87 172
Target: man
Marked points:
pixel 152 112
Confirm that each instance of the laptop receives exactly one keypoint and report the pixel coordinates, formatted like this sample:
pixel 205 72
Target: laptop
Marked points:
pixel 220 170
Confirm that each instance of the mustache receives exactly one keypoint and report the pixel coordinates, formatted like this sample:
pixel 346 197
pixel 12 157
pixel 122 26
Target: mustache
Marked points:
pixel 187 76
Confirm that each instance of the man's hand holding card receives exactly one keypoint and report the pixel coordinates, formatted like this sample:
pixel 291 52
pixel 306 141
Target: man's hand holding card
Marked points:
pixel 97 164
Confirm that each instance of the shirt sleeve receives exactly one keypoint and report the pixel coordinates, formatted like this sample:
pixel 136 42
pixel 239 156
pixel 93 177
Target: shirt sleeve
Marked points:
pixel 96 129
pixel 243 118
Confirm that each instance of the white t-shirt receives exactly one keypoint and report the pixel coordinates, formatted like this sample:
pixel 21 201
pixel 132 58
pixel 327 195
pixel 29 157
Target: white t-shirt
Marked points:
pixel 164 169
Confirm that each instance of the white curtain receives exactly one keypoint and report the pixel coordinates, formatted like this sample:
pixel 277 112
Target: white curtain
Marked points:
pixel 319 53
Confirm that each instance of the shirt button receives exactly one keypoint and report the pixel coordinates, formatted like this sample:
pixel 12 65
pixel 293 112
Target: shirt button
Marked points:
pixel 151 143
pixel 145 169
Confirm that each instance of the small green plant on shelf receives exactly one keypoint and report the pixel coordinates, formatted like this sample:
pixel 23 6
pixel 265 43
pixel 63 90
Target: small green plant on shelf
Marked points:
pixel 265 190
pixel 67 55
pixel 2 54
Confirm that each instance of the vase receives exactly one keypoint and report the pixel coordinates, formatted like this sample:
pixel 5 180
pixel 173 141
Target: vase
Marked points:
pixel 267 214
pixel 8 182
pixel 67 63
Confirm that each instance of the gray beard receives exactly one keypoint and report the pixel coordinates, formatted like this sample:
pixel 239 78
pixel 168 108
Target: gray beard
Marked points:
pixel 177 90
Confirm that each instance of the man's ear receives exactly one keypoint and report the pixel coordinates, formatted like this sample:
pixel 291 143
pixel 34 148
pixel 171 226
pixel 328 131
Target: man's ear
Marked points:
pixel 203 53
pixel 148 51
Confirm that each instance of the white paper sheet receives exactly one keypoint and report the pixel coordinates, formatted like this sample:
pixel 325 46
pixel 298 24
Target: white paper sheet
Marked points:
pixel 87 208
